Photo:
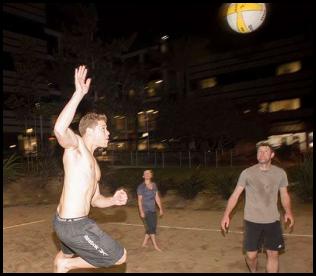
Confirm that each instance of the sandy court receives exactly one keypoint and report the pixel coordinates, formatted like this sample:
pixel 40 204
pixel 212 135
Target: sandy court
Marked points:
pixel 190 239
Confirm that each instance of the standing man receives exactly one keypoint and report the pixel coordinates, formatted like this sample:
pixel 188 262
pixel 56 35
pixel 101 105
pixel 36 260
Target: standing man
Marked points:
pixel 262 183
pixel 80 235
pixel 148 196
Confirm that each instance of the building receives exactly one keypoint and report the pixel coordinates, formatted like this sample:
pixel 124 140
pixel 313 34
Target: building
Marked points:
pixel 28 44
pixel 273 80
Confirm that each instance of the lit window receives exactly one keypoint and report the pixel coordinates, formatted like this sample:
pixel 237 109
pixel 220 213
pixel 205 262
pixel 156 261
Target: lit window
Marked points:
pixel 151 92
pixel 290 104
pixel 208 83
pixel 131 93
pixel 119 122
pixel 289 68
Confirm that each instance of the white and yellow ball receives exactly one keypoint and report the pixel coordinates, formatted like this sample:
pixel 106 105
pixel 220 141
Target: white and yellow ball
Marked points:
pixel 245 17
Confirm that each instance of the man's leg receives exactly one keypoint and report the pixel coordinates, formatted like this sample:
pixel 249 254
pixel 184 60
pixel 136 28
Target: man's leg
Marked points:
pixel 63 263
pixel 272 261
pixel 252 260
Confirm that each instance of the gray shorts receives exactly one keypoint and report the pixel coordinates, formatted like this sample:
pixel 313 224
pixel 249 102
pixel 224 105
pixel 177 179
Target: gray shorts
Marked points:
pixel 83 237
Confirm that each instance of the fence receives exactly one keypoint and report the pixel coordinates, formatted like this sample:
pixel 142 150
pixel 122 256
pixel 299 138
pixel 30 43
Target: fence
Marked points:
pixel 182 159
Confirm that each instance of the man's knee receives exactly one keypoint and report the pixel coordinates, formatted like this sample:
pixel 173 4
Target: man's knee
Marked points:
pixel 272 254
pixel 123 258
pixel 251 255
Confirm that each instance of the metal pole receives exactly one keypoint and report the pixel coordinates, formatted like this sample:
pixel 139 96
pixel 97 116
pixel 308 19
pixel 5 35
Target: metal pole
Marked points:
pixel 180 159
pixel 155 159
pixel 231 158
pixel 131 158
pixel 189 159
pixel 216 158
pixel 163 160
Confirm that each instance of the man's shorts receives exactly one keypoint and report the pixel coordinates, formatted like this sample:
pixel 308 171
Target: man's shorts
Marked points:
pixel 268 235
pixel 83 237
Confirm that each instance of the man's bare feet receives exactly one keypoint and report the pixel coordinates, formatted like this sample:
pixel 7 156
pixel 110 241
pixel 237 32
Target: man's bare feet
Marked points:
pixel 61 263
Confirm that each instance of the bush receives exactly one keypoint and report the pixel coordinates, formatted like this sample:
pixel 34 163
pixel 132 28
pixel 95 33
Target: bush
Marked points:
pixel 225 182
pixel 303 176
pixel 190 187
pixel 164 185
pixel 12 168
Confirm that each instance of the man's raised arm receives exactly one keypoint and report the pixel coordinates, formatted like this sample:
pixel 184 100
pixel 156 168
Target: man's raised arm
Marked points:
pixel 65 136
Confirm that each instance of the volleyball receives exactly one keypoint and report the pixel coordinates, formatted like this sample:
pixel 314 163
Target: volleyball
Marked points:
pixel 245 17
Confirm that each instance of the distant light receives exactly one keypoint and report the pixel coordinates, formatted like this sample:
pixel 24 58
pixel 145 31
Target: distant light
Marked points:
pixel 310 144
pixel 29 130
pixel 51 138
pixel 145 134
pixel 158 81
pixel 156 111
pixel 165 37
pixel 141 112
pixel 247 111
pixel 12 146
pixel 150 111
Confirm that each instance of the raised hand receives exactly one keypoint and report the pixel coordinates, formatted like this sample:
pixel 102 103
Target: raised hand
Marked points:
pixel 82 84
pixel 120 197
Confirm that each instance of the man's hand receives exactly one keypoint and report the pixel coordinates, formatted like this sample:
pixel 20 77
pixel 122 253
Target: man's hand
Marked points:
pixel 288 216
pixel 82 85
pixel 120 197
pixel 142 214
pixel 225 223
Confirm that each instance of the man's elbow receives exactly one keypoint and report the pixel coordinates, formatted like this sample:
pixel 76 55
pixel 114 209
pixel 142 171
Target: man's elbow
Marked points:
pixel 58 131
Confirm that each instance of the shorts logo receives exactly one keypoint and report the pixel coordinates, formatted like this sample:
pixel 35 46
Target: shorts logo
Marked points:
pixel 95 246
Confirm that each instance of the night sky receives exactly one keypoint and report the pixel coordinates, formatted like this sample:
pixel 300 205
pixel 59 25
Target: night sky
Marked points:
pixel 153 20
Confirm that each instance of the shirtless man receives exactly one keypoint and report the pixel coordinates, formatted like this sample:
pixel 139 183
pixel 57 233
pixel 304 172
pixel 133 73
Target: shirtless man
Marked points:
pixel 80 235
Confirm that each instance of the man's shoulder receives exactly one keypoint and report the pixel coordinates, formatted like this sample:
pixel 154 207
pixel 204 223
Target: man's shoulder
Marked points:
pixel 251 169
pixel 278 169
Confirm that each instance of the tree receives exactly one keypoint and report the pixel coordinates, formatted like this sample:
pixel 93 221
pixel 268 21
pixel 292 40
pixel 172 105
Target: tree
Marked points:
pixel 82 45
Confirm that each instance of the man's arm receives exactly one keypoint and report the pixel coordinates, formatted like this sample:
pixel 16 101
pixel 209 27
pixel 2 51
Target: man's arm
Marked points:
pixel 157 198
pixel 286 203
pixel 232 201
pixel 65 136
pixel 100 201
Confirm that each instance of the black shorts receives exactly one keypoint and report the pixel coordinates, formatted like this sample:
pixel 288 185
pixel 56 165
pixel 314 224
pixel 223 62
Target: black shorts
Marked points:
pixel 150 222
pixel 268 235
pixel 83 237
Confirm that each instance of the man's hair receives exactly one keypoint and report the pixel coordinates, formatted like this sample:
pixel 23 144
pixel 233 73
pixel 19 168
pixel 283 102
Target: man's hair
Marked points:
pixel 265 144
pixel 90 120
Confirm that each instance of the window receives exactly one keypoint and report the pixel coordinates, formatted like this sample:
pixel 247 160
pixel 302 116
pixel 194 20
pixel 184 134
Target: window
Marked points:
pixel 282 105
pixel 120 122
pixel 208 83
pixel 289 68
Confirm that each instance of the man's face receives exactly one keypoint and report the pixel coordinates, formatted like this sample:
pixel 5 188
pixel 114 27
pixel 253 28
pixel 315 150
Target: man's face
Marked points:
pixel 101 134
pixel 264 154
